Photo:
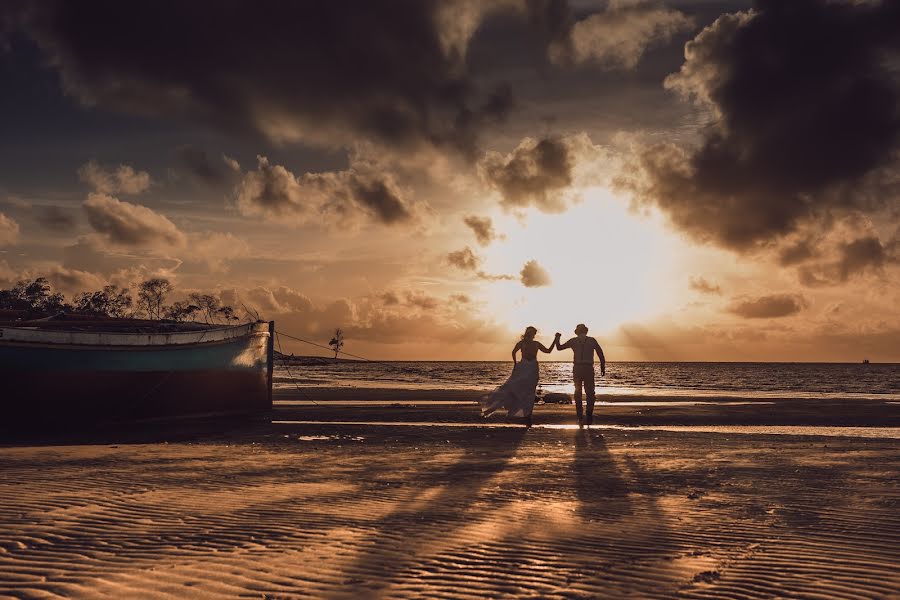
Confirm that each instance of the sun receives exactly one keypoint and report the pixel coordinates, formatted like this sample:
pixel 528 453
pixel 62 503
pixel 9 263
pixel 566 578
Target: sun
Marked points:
pixel 608 266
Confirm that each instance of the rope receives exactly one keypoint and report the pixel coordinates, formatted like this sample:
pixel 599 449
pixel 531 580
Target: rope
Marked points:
pixel 324 347
pixel 291 375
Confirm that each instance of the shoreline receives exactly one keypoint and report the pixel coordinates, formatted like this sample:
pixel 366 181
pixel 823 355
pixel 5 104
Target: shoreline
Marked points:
pixel 362 393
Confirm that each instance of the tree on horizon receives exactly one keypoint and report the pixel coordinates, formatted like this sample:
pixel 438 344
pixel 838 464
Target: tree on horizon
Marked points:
pixel 151 295
pixel 337 342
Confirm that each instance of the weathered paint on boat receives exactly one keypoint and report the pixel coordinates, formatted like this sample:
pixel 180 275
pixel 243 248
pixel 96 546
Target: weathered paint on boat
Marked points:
pixel 60 376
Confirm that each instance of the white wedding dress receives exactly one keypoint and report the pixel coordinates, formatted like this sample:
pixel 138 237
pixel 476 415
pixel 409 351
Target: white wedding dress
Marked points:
pixel 516 395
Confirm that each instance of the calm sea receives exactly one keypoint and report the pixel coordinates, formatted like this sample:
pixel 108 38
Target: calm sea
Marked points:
pixel 744 380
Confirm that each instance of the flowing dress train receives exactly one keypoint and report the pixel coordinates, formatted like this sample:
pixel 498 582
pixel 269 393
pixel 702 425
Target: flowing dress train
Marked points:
pixel 516 395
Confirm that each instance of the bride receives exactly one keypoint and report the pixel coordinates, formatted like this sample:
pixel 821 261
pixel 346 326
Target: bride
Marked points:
pixel 517 394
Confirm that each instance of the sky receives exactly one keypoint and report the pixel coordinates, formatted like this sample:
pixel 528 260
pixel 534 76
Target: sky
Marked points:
pixel 694 179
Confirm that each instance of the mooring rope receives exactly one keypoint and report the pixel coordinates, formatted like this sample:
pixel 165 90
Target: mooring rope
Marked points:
pixel 286 368
pixel 330 349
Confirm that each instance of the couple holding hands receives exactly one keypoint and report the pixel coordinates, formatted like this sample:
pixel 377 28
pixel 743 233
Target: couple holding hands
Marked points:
pixel 517 394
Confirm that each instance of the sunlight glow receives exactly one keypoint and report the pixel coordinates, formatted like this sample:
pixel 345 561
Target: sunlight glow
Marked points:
pixel 608 266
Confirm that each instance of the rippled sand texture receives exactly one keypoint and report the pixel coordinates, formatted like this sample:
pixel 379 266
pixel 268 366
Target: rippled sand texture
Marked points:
pixel 349 512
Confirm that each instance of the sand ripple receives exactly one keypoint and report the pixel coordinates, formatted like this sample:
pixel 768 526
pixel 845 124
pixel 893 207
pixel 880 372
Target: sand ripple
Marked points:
pixel 305 512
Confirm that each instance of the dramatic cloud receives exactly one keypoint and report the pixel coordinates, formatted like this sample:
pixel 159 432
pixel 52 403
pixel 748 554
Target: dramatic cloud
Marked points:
pixel 534 275
pixel 129 224
pixel 701 285
pixel 341 198
pixel 768 307
pixel 364 321
pixel 55 218
pixel 542 172
pixel 796 252
pixel 861 255
pixel 396 71
pixel 122 180
pixel 803 98
pixel 62 279
pixel 278 300
pixel 9 231
pixel 72 281
pixel 198 164
pixel 850 259
pixel 537 173
pixel 390 299
pixel 420 299
pixel 464 259
pixel 483 228
pixel 619 36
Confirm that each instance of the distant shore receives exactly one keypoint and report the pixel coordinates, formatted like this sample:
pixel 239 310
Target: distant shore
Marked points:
pixel 307 360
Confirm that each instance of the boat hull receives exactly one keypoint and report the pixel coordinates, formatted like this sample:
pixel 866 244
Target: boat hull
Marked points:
pixel 66 377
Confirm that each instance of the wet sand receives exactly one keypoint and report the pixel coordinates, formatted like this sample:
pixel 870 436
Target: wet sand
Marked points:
pixel 434 502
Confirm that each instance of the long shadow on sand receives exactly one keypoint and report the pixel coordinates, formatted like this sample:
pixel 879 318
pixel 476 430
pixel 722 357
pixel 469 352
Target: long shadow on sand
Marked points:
pixel 624 545
pixel 602 491
pixel 441 501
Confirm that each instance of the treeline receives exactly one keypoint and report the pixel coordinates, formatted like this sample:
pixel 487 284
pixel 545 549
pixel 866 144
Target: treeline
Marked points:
pixel 117 302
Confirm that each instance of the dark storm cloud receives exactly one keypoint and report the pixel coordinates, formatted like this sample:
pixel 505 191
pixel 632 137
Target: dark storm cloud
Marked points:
pixel 381 197
pixel 55 218
pixel 851 259
pixel 861 255
pixel 393 72
pixel 796 253
pixel 804 100
pixel 483 228
pixel 768 307
pixel 199 165
pixel 534 174
pixel 340 198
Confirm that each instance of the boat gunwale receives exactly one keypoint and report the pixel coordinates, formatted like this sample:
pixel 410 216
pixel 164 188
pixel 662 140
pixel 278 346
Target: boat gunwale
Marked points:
pixel 98 340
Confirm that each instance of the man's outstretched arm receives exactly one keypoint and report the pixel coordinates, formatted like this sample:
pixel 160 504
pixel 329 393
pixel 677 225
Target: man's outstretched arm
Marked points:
pixel 564 346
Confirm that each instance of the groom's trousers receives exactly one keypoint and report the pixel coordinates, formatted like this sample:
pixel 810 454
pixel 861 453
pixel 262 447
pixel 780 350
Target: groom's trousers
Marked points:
pixel 583 374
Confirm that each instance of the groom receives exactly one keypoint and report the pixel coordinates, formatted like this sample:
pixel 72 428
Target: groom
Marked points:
pixel 583 348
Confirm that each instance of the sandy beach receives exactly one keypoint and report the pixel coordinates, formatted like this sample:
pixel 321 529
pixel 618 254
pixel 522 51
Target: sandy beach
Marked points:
pixel 409 501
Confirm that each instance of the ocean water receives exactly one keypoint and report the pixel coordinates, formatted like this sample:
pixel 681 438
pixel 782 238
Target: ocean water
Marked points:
pixel 690 379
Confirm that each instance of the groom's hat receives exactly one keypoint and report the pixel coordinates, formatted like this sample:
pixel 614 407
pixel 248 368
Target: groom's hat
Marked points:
pixel 581 328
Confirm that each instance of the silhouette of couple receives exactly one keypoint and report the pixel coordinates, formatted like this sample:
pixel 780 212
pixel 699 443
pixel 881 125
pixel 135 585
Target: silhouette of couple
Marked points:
pixel 517 394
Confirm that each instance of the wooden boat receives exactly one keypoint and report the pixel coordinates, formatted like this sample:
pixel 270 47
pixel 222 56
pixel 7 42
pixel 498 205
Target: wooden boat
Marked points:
pixel 124 370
